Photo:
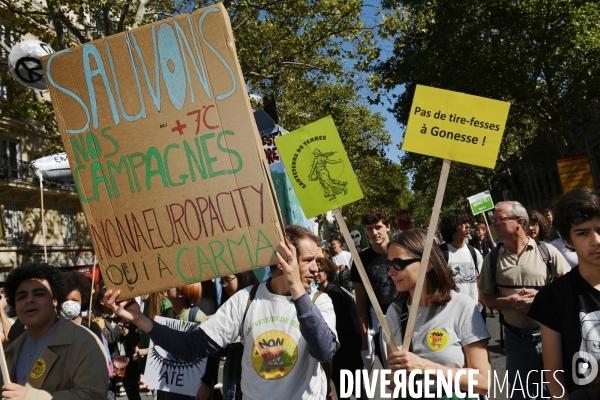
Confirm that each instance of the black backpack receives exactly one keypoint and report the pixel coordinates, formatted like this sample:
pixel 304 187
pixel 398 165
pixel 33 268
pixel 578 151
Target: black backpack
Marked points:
pixel 345 281
pixel 542 248
pixel 446 254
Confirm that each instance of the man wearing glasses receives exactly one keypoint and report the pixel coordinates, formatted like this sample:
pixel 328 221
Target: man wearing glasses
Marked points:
pixel 510 278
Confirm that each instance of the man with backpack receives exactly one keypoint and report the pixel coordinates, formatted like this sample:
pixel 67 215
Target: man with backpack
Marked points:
pixel 286 327
pixel 463 260
pixel 510 278
pixel 343 260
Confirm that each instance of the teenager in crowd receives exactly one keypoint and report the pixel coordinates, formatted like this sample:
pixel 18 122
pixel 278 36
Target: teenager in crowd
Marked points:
pixel 568 309
pixel 539 226
pixel 481 242
pixel 55 358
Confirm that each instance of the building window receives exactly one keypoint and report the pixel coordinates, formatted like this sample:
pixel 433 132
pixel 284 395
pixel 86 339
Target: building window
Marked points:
pixel 13 223
pixel 11 165
pixel 69 228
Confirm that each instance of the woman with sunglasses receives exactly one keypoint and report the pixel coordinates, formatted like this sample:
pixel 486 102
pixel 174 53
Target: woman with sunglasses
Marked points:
pixel 449 331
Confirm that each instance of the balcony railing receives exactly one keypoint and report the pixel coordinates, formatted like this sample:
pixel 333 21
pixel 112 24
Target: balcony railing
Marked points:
pixel 18 171
pixel 14 170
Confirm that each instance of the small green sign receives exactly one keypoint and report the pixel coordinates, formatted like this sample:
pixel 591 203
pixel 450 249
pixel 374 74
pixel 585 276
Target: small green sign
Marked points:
pixel 318 167
pixel 481 202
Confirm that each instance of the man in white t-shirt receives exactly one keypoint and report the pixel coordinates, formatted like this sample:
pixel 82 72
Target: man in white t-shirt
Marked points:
pixel 339 256
pixel 287 328
pixel 463 260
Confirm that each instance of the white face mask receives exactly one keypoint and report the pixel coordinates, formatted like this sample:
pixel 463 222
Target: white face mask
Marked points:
pixel 71 309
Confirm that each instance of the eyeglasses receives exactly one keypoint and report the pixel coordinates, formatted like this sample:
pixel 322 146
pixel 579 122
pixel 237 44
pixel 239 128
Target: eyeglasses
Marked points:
pixel 502 219
pixel 226 282
pixel 400 264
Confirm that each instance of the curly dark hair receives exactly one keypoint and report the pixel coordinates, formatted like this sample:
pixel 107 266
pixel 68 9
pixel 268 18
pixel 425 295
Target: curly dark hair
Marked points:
pixel 535 217
pixel 450 222
pixel 75 280
pixel 35 271
pixel 575 207
pixel 329 268
pixel 439 278
pixel 374 215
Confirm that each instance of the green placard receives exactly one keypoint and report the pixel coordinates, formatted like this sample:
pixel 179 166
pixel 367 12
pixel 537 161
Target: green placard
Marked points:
pixel 481 202
pixel 318 166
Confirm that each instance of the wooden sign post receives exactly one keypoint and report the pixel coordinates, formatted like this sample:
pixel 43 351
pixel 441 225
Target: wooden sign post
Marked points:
pixel 480 203
pixel 323 179
pixel 363 275
pixel 453 126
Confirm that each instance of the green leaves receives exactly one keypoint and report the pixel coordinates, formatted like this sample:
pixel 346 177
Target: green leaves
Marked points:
pixel 538 55
pixel 307 53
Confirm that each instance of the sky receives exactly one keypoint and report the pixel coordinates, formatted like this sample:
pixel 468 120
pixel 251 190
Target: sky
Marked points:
pixel 371 17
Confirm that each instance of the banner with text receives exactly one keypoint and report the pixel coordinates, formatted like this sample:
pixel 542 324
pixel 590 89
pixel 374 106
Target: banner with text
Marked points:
pixel 481 202
pixel 455 126
pixel 165 154
pixel 575 172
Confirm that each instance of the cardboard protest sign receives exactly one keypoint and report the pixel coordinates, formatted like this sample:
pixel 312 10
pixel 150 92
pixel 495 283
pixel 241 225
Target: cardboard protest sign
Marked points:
pixel 167 161
pixel 575 172
pixel 319 168
pixel 455 126
pixel 168 373
pixel 481 202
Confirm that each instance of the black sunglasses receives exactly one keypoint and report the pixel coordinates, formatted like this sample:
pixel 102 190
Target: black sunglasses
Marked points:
pixel 399 264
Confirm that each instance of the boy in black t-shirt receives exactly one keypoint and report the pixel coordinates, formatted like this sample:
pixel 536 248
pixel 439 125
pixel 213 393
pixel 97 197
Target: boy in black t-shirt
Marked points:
pixel 568 309
pixel 377 227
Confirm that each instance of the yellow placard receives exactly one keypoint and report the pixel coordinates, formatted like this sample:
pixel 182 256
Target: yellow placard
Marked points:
pixel 455 126
pixel 575 172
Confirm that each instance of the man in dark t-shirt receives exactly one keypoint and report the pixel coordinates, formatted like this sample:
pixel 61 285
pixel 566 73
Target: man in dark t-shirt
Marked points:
pixel 568 309
pixel 377 227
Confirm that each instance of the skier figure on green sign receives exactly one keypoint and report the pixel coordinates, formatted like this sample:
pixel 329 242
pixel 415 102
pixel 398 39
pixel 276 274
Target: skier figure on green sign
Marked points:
pixel 319 171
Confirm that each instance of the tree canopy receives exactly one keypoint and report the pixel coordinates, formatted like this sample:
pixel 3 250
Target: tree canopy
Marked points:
pixel 299 51
pixel 538 55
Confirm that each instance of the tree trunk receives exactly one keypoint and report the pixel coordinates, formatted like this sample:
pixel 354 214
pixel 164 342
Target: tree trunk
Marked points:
pixel 139 15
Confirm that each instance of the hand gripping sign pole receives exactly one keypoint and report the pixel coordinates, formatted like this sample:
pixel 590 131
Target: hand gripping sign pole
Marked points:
pixel 363 275
pixel 414 307
pixel 4 368
pixel 316 161
pixel 453 126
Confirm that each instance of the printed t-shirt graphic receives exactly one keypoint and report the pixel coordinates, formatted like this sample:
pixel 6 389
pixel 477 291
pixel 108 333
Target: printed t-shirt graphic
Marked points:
pixel 38 368
pixel 437 339
pixel 274 354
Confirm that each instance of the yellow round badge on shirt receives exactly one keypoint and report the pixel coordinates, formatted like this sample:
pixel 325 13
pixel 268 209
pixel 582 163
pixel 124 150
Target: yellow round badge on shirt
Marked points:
pixel 437 339
pixel 38 368
pixel 274 355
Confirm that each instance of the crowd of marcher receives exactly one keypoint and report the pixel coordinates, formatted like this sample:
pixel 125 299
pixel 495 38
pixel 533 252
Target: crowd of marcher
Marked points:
pixel 292 335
